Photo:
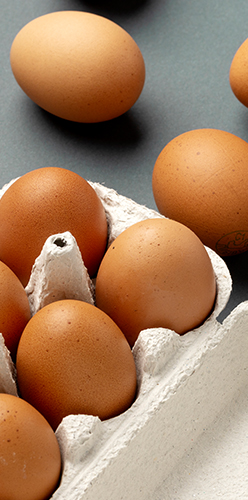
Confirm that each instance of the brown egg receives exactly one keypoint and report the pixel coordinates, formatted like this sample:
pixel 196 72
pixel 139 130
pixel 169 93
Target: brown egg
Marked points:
pixel 156 273
pixel 72 358
pixel 238 74
pixel 200 179
pixel 48 201
pixel 78 66
pixel 14 308
pixel 30 463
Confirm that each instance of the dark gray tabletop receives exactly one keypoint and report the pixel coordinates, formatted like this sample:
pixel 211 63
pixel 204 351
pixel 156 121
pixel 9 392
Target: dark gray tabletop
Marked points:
pixel 187 45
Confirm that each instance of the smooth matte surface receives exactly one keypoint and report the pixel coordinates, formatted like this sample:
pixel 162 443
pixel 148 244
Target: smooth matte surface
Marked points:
pixel 188 47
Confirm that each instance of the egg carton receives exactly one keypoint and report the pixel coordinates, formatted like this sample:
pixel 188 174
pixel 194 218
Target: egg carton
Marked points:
pixel 185 383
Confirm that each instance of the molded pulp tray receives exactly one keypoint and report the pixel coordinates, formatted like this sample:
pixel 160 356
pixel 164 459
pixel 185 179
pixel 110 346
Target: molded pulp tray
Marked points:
pixel 186 435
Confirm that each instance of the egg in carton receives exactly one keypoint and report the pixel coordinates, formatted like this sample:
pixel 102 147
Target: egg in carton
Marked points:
pixel 183 381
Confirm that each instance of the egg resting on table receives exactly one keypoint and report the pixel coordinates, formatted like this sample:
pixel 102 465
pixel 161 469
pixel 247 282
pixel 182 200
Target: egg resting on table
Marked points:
pixel 44 202
pixel 156 273
pixel 200 179
pixel 238 74
pixel 78 66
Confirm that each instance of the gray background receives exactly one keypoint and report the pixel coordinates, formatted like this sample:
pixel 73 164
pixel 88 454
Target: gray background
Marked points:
pixel 187 45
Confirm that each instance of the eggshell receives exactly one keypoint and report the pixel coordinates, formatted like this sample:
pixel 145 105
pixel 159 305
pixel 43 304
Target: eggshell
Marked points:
pixel 14 308
pixel 44 202
pixel 72 358
pixel 78 66
pixel 30 463
pixel 238 74
pixel 156 273
pixel 200 179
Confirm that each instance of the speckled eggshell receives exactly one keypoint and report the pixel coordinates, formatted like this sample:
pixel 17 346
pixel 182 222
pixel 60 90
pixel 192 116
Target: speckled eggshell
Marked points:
pixel 14 308
pixel 78 66
pixel 44 202
pixel 156 273
pixel 30 463
pixel 238 74
pixel 73 359
pixel 200 179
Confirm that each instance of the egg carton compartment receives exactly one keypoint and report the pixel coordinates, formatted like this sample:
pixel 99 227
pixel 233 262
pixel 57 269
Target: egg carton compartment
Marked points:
pixel 184 382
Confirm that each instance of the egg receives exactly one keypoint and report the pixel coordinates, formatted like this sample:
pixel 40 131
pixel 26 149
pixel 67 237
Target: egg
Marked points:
pixel 156 273
pixel 14 308
pixel 30 463
pixel 238 74
pixel 44 202
pixel 200 179
pixel 78 66
pixel 73 359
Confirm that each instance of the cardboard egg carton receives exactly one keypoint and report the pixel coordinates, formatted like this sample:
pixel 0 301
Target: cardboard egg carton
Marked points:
pixel 184 383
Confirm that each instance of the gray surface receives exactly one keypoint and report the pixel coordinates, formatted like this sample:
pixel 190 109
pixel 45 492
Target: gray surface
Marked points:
pixel 188 46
